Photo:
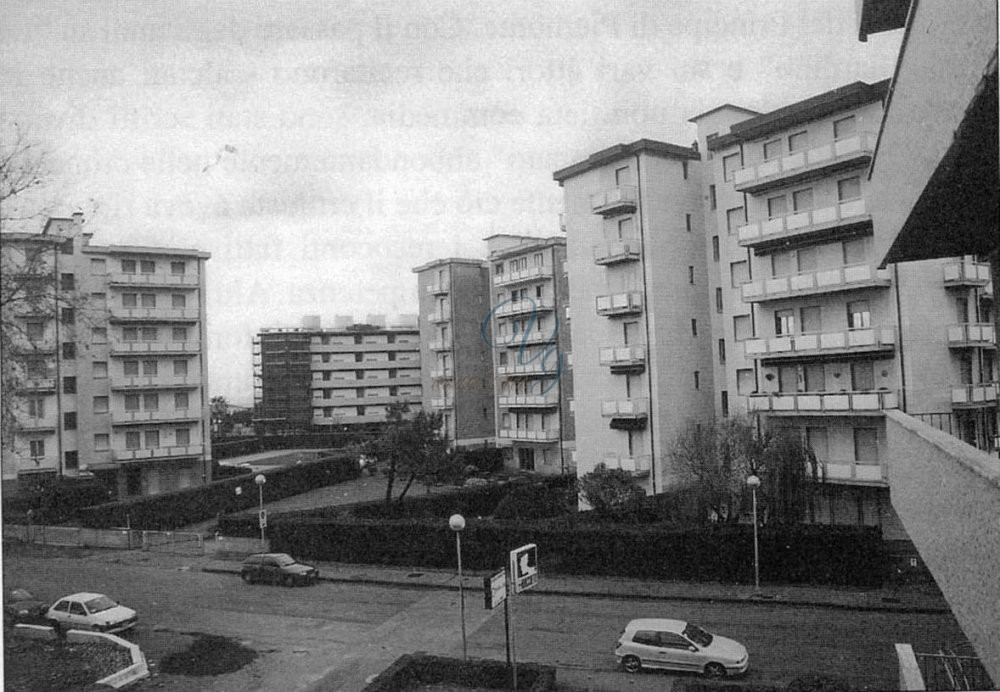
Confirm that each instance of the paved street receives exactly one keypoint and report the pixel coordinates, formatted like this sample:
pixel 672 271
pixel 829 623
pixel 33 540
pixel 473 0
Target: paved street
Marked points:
pixel 334 635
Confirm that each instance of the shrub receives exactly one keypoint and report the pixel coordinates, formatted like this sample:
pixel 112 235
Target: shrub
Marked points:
pixel 818 683
pixel 610 492
pixel 536 501
pixel 415 669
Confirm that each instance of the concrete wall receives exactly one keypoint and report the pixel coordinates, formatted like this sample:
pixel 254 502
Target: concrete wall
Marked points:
pixel 948 497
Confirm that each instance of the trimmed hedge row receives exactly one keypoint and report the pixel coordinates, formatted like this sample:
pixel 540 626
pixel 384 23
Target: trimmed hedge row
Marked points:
pixel 416 669
pixel 811 554
pixel 171 510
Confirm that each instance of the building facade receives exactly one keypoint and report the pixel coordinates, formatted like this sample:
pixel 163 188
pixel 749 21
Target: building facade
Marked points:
pixel 116 380
pixel 457 362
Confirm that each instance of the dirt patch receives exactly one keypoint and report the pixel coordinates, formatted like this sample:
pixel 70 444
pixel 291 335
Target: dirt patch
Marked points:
pixel 35 664
pixel 208 655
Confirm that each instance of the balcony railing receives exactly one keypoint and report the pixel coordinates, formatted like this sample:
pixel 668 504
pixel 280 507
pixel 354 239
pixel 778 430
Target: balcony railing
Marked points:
pixel 848 471
pixel 442 402
pixel 811 283
pixel 438 316
pixel 524 306
pixel 823 402
pixel 49 422
pixel 623 358
pixel 172 280
pixel 521 275
pixel 155 314
pixel 971 334
pixel 639 465
pixel 40 384
pixel 802 165
pixel 617 200
pixel 166 416
pixel 616 304
pixel 439 345
pixel 846 341
pixel 439 288
pixel 522 435
pixel 802 223
pixel 547 400
pixel 158 452
pixel 625 409
pixel 615 251
pixel 165 347
pixel 533 368
pixel 971 395
pixel 966 273
pixel 154 381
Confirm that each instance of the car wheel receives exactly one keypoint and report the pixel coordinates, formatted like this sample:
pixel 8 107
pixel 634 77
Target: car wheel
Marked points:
pixel 632 664
pixel 288 580
pixel 247 577
pixel 715 670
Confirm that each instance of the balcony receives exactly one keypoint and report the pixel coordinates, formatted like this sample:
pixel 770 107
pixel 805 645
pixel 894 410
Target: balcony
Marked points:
pixel 158 452
pixel 548 400
pixel 623 359
pixel 524 306
pixel 437 316
pixel 971 336
pixel 617 200
pixel 521 276
pixel 532 368
pixel 867 341
pixel 620 304
pixel 816 403
pixel 120 417
pixel 511 339
pixel 848 472
pixel 974 395
pixel 617 251
pixel 626 413
pixel 437 373
pixel 44 424
pixel 120 314
pixel 439 288
pixel 40 384
pixel 636 465
pixel 965 273
pixel 191 381
pixel 811 283
pixel 153 280
pixel 800 166
pixel 443 402
pixel 805 225
pixel 155 347
pixel 439 345
pixel 522 435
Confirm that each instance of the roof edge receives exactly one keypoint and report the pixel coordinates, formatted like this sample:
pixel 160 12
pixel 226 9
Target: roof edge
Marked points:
pixel 620 151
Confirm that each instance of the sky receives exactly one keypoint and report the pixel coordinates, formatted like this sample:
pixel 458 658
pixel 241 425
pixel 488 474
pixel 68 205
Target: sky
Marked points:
pixel 321 150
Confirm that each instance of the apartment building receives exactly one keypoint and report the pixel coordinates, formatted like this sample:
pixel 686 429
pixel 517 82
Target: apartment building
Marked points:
pixel 311 379
pixel 642 337
pixel 528 328
pixel 116 383
pixel 457 362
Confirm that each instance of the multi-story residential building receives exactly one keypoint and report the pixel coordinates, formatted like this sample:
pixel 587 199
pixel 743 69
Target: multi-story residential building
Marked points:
pixel 116 379
pixel 314 379
pixel 532 351
pixel 642 339
pixel 457 362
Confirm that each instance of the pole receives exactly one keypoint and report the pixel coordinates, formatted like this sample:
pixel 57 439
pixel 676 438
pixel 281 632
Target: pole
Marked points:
pixel 506 626
pixel 510 628
pixel 756 550
pixel 260 513
pixel 461 593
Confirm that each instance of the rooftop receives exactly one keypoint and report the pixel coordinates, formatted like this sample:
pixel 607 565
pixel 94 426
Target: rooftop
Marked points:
pixel 620 151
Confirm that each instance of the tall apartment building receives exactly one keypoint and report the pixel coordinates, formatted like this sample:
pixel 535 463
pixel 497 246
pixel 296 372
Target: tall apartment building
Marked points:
pixel 532 352
pixel 457 362
pixel 319 380
pixel 116 382
pixel 642 339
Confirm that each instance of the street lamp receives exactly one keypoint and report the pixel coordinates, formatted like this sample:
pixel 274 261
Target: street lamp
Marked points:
pixel 753 482
pixel 457 523
pixel 260 480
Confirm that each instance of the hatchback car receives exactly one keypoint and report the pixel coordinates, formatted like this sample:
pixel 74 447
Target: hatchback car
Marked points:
pixel 277 568
pixel 90 611
pixel 20 605
pixel 679 645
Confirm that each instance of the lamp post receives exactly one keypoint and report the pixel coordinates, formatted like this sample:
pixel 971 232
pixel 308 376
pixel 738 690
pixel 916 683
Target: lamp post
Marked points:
pixel 457 523
pixel 260 480
pixel 753 482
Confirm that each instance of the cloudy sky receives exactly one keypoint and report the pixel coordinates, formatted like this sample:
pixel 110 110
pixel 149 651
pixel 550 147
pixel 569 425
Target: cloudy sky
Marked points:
pixel 321 150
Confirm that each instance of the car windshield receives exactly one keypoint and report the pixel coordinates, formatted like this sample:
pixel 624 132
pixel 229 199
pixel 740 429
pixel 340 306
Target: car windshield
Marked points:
pixel 698 635
pixel 284 560
pixel 96 605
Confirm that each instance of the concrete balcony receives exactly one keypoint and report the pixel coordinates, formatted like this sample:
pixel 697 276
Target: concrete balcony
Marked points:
pixel 548 400
pixel 971 335
pixel 121 314
pixel 974 395
pixel 40 384
pixel 522 435
pixel 637 465
pixel 155 347
pixel 158 452
pixel 800 166
pixel 617 200
pixel 623 359
pixel 818 403
pixel 811 283
pixel 438 316
pixel 518 276
pixel 619 304
pixel 443 401
pixel 524 306
pixel 626 410
pixel 153 280
pixel 48 423
pixel 617 251
pixel 153 417
pixel 439 288
pixel 811 225
pixel 965 273
pixel 850 472
pixel 527 369
pixel 510 339
pixel 192 381
pixel 874 340
pixel 439 345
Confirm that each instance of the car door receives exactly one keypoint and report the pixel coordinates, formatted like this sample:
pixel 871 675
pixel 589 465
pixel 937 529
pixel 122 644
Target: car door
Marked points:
pixel 78 618
pixel 647 648
pixel 677 650
pixel 60 612
pixel 272 572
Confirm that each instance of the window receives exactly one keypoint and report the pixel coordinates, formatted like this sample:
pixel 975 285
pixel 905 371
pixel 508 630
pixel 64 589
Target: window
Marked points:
pixel 671 640
pixel 149 367
pixel 687 222
pixel 148 300
pixel 862 376
pixel 646 638
pixel 731 164
pixel 128 266
pixel 181 334
pixel 772 149
pixel 149 334
pixel 180 368
pixel 845 127
pixel 102 441
pixel 67 316
pixel 100 404
pixel 815 377
pixel 35 329
pixel 69 385
pixel 855 251
pixel 66 282
pixel 71 459
pixel 798 141
pixel 697 380
pixel 66 248
pixel 99 335
pixel 718 299
pixel 788 378
pixel 498 269
pixel 37 449
pixel 182 436
pixel 684 169
pixel 131 402
pixel 722 350
pixel 151 401
pixel 359 357
pixel 742 327
pixel 816 440
pixel 745 382
pixel 690 274
pixel 538 259
pixel 808 259
pixel 712 201
pixel 37 368
pixel 626 228
pixel 777 206
pixel 724 401
pixel 783 263
pixel 739 273
pixel 177 268
pixel 623 176
pixel 802 200
pixel 859 315
pixel 849 188
pixel 130 368
pixel 178 300
pixel 98 266
pixel 735 218
pixel 866 445
pixel 180 401
pixel 133 440
pixel 811 319
pixel 715 248
pixel 694 327
pixel 130 333
pixel 69 350
pixel 36 407
pixel 784 322
pixel 147 266
pixel 130 300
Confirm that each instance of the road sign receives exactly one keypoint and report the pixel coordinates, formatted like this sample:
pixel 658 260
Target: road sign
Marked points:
pixel 524 567
pixel 495 589
pixel 262 518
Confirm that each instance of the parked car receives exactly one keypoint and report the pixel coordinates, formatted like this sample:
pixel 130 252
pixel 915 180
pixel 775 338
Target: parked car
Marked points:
pixel 20 605
pixel 679 645
pixel 277 568
pixel 90 611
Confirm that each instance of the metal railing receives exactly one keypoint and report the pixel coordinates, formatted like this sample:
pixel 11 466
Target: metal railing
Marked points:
pixel 947 671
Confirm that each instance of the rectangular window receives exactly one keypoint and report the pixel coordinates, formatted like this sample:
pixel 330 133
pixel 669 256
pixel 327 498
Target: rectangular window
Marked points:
pixel 718 299
pixel 798 141
pixel 802 200
pixel 178 300
pixel 149 368
pixel 37 368
pixel 35 329
pixel 37 449
pixel 745 381
pixel 99 335
pixel 777 206
pixel 862 376
pixel 180 401
pixel 130 300
pixel 811 319
pixel 128 266
pixel 772 149
pixel 694 327
pixel 715 248
pixel 687 222
pixel 36 407
pixel 722 350
pixel 783 263
pixel 712 201
pixel 859 315
pixel 623 176
pixel 784 322
pixel 816 440
pixel 182 436
pixel 67 316
pixel 130 368
pixel 739 273
pixel 148 300
pixel 147 266
pixel 626 228
pixel 130 334
pixel 72 459
pixel 181 334
pixel 102 441
pixel 151 401
pixel 815 377
pixel 697 380
pixel 66 248
pixel 131 402
pixel 66 282
pixel 866 445
pixel 69 385
pixel 98 266
pixel 149 334
pixel 855 251
pixel 133 440
pixel 69 350
pixel 807 259
pixel 690 274
pixel 177 268
pixel 742 327
pixel 724 400
pixel 788 378
pixel 684 169
pixel 180 368
pixel 731 164
pixel 845 127
pixel 849 188
pixel 152 439
pixel 100 404
pixel 735 218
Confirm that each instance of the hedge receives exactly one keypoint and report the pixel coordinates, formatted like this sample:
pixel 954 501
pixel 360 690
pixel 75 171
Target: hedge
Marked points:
pixel 420 669
pixel 172 510
pixel 799 554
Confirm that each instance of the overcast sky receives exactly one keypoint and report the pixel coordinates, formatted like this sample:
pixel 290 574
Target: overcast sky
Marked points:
pixel 321 150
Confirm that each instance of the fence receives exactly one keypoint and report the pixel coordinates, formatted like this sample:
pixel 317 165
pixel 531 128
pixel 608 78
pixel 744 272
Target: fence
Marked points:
pixel 121 539
pixel 947 671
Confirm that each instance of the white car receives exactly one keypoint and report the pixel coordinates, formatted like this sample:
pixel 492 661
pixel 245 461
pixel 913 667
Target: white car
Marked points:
pixel 679 645
pixel 90 611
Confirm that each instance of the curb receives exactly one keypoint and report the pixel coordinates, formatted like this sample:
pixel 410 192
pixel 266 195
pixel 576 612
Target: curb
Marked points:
pixel 873 608
pixel 126 676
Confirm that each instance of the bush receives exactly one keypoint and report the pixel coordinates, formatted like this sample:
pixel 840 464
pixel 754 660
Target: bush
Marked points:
pixel 415 669
pixel 536 501
pixel 818 683
pixel 54 502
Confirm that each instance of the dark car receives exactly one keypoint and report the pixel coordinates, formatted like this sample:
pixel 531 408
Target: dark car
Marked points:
pixel 277 568
pixel 20 605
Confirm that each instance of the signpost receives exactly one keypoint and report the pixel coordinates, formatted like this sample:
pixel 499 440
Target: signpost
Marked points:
pixel 495 589
pixel 262 518
pixel 524 567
